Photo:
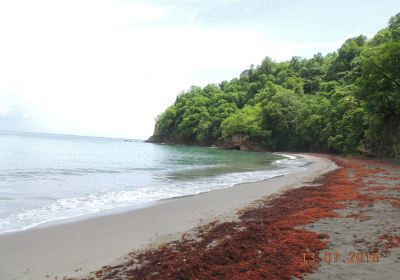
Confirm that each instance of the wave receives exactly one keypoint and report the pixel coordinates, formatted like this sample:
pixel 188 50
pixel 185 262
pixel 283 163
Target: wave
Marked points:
pixel 73 207
pixel 51 172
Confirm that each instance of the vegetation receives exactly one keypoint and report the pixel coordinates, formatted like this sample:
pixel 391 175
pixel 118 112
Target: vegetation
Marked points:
pixel 345 102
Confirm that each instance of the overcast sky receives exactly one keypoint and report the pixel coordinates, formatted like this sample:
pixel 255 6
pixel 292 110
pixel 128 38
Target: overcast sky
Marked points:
pixel 108 68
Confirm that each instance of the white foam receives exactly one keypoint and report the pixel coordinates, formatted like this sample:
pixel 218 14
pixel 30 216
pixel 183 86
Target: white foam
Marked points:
pixel 78 206
pixel 286 155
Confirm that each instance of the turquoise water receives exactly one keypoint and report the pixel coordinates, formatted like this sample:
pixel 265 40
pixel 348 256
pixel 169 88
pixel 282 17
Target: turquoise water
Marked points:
pixel 47 177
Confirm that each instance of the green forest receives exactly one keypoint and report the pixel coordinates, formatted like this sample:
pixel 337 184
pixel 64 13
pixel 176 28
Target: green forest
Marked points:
pixel 344 102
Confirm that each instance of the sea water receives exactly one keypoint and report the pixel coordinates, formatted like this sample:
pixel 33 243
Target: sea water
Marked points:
pixel 45 177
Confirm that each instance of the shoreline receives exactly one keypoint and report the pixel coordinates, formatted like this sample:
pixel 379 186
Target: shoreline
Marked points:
pixel 122 209
pixel 343 225
pixel 79 247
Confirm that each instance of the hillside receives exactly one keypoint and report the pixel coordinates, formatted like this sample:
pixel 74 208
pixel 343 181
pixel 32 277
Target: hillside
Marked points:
pixel 346 102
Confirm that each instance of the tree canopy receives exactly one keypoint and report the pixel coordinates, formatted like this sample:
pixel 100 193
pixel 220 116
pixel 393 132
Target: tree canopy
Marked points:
pixel 347 101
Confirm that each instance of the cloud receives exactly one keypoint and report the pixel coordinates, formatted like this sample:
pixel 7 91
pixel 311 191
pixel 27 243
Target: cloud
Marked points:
pixel 354 33
pixel 26 116
pixel 109 67
pixel 3 110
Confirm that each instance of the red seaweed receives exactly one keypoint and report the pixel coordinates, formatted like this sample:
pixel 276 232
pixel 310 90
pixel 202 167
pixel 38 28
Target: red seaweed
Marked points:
pixel 266 242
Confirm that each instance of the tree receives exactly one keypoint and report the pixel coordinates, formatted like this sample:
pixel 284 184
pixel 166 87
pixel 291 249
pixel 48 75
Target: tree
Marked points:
pixel 245 122
pixel 346 101
pixel 379 89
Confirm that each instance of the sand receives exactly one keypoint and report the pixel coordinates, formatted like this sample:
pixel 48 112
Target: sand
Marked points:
pixel 364 228
pixel 346 223
pixel 76 248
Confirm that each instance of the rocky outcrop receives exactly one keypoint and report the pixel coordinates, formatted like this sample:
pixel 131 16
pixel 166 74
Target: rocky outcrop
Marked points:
pixel 237 142
pixel 242 143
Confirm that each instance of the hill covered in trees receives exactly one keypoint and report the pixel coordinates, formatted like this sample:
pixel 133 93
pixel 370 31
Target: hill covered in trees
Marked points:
pixel 345 102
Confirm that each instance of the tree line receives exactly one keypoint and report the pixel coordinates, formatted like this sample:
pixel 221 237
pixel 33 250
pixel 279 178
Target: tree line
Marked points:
pixel 345 102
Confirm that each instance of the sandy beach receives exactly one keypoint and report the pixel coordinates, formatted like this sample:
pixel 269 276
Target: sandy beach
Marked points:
pixel 342 226
pixel 76 248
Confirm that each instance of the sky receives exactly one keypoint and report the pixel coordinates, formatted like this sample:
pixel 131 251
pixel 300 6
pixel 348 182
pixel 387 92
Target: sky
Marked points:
pixel 108 68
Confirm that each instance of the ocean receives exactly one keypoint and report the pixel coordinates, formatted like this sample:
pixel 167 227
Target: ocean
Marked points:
pixel 46 177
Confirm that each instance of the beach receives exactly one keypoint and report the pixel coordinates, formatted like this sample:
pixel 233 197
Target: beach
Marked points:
pixel 199 140
pixel 76 248
pixel 344 225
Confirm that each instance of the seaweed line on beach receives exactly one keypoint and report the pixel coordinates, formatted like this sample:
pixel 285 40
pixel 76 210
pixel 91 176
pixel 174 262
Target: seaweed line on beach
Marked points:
pixel 270 239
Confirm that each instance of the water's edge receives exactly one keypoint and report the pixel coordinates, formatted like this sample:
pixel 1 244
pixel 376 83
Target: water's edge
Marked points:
pixel 123 209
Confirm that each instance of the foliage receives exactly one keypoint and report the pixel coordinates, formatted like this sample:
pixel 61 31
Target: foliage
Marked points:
pixel 245 122
pixel 347 101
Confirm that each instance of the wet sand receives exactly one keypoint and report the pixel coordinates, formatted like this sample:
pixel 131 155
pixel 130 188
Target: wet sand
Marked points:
pixel 77 248
pixel 345 225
